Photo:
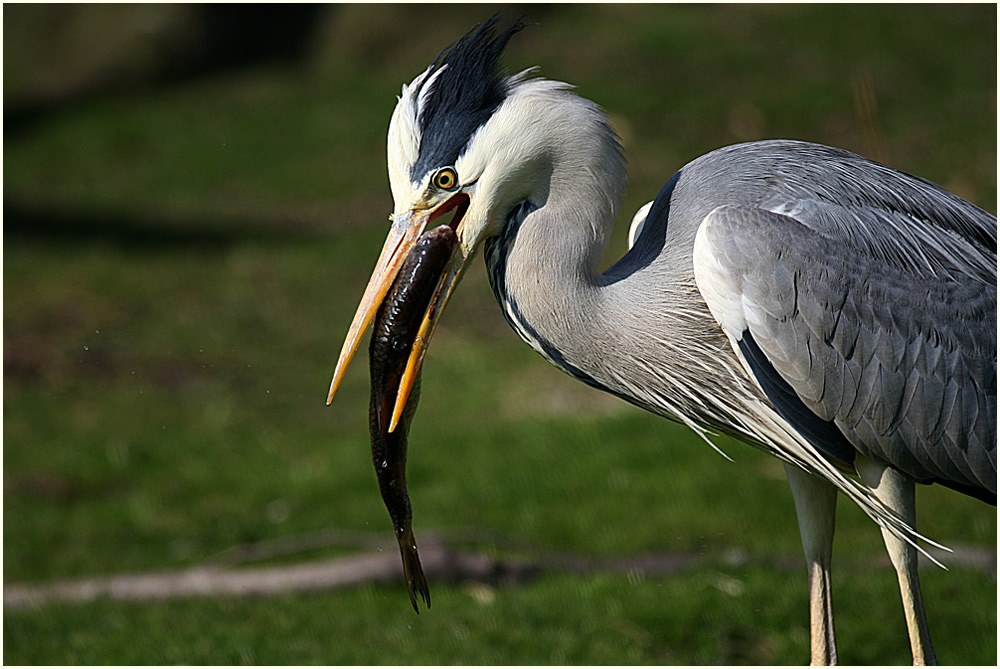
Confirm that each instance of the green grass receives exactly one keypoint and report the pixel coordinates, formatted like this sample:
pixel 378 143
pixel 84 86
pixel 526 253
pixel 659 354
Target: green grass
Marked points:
pixel 164 394
pixel 715 615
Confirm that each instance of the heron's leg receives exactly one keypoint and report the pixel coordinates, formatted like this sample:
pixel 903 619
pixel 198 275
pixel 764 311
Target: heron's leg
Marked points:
pixel 816 507
pixel 895 490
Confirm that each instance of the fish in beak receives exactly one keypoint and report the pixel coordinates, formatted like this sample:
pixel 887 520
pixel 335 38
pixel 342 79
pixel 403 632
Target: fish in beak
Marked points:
pixel 403 236
pixel 394 328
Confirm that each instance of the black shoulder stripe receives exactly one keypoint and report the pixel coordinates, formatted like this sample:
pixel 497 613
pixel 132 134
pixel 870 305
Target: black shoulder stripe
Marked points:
pixel 822 434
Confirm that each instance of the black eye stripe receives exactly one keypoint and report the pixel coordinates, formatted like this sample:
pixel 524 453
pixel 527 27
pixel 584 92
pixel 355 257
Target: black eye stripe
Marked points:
pixel 465 95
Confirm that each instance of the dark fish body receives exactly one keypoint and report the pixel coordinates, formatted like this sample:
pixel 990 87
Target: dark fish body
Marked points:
pixel 395 327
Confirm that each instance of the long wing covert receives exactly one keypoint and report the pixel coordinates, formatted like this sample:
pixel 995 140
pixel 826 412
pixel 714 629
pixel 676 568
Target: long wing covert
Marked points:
pixel 903 366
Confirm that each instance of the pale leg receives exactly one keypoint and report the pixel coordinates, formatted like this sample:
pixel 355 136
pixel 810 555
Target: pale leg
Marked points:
pixel 816 507
pixel 895 490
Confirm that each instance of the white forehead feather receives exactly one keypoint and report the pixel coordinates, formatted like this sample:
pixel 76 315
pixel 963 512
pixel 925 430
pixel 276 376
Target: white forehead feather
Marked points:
pixel 403 145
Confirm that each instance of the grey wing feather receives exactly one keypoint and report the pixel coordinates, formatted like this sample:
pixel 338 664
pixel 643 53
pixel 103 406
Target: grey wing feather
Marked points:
pixel 879 212
pixel 901 360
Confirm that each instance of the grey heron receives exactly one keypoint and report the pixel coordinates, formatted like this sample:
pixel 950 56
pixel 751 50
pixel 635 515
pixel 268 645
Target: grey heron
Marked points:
pixel 834 312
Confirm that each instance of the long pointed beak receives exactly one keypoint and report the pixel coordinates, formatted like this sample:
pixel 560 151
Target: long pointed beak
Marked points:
pixel 402 237
pixel 401 240
pixel 456 266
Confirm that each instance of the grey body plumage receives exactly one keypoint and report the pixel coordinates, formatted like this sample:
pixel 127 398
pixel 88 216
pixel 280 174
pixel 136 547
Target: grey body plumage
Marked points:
pixel 830 310
pixel 889 315
pixel 892 336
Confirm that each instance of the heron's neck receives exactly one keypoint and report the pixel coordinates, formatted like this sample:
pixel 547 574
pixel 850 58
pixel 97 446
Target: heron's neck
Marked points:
pixel 609 330
pixel 543 267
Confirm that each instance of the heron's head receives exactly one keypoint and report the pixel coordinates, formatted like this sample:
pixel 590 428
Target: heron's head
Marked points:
pixel 467 145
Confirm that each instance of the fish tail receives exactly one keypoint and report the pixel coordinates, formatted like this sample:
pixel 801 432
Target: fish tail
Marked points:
pixel 414 573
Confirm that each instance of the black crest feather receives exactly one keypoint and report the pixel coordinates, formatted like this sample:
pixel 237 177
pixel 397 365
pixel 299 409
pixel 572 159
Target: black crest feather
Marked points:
pixel 464 96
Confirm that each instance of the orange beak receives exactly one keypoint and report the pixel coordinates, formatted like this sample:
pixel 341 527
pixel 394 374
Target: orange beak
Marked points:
pixel 446 284
pixel 402 238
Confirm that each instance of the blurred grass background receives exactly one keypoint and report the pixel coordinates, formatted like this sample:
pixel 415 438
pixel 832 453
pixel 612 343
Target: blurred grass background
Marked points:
pixel 194 197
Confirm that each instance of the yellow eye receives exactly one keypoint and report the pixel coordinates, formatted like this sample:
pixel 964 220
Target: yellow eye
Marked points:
pixel 445 179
